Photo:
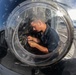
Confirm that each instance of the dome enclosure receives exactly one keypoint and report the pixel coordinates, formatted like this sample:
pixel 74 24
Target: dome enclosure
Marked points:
pixel 18 28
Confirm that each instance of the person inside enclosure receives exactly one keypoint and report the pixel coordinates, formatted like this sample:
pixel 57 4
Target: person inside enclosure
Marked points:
pixel 47 39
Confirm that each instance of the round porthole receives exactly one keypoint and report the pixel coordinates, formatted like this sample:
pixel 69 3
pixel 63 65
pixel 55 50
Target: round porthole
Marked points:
pixel 18 29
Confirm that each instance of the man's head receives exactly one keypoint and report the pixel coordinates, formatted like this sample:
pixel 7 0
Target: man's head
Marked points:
pixel 38 25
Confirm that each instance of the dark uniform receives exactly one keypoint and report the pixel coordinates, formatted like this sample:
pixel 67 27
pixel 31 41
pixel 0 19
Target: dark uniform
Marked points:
pixel 49 39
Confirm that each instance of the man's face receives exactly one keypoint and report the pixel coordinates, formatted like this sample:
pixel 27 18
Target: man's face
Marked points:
pixel 36 26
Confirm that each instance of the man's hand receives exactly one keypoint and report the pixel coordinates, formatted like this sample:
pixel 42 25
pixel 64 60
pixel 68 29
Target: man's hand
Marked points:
pixel 30 38
pixel 39 47
pixel 32 43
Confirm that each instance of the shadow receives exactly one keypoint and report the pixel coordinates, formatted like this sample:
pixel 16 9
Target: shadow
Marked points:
pixel 64 67
pixel 3 45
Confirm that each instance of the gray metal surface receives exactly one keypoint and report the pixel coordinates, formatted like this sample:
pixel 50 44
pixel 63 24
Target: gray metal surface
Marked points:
pixel 5 71
pixel 11 63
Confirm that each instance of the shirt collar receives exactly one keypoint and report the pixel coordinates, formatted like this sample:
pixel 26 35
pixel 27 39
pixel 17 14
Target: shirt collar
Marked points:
pixel 47 29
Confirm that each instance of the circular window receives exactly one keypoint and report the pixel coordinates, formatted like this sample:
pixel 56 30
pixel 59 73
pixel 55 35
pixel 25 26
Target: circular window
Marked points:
pixel 19 27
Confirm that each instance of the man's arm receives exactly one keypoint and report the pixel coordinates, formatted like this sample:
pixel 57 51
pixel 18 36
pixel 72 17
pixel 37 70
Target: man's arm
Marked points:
pixel 39 47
